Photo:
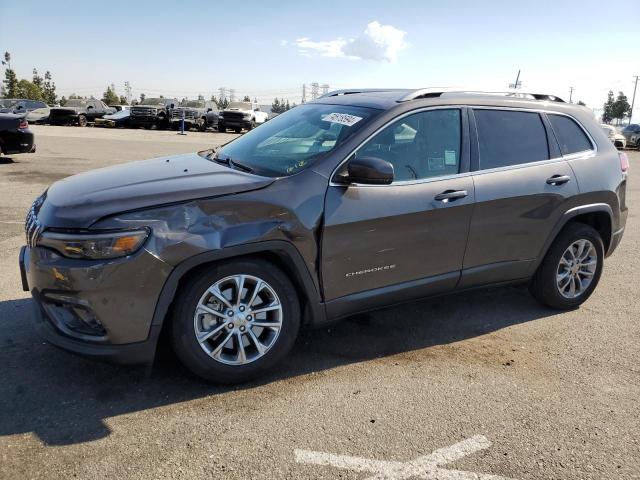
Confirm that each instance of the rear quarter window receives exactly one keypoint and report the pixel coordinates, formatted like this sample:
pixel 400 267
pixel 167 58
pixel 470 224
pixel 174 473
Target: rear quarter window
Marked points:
pixel 507 137
pixel 569 134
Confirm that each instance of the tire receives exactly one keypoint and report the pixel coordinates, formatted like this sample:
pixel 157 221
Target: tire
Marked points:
pixel 219 358
pixel 552 279
pixel 252 125
pixel 222 128
pixel 202 126
pixel 82 120
pixel 237 129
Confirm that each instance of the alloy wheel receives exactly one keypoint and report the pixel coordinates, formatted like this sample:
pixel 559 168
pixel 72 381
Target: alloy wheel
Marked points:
pixel 576 268
pixel 238 319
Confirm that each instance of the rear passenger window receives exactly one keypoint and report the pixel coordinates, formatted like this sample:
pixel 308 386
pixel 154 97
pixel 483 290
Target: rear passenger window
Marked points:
pixel 570 136
pixel 422 145
pixel 509 138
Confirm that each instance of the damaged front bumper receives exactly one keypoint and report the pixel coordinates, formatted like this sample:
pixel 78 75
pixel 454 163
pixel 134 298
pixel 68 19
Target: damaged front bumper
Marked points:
pixel 101 309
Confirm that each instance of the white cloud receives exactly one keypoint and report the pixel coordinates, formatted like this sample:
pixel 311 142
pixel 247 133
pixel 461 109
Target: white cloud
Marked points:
pixel 378 43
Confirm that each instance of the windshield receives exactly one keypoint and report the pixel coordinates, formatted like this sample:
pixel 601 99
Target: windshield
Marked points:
pixel 75 103
pixel 152 101
pixel 193 104
pixel 295 139
pixel 240 105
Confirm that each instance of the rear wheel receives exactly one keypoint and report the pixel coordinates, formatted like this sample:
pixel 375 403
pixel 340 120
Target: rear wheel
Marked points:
pixel 237 129
pixel 221 128
pixel 235 321
pixel 82 120
pixel 202 126
pixel 252 125
pixel 571 270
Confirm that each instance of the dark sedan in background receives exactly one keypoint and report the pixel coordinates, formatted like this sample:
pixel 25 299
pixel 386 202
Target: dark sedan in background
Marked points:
pixel 15 136
pixel 79 112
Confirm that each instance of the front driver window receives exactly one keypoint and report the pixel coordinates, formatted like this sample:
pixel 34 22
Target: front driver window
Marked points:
pixel 422 145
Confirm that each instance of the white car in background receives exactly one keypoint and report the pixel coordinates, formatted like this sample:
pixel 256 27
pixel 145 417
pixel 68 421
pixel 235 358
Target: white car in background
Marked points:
pixel 239 115
pixel 614 135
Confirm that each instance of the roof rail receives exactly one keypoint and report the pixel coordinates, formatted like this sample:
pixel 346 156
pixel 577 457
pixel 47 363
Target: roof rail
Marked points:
pixel 435 93
pixel 351 91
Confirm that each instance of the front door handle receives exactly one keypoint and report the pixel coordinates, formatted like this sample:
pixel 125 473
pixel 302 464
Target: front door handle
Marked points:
pixel 558 179
pixel 450 195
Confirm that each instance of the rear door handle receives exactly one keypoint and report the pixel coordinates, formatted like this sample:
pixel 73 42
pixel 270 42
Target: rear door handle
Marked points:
pixel 558 179
pixel 450 195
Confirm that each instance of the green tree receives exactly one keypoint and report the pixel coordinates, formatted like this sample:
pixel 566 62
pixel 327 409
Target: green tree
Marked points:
pixel 63 101
pixel 37 79
pixel 49 89
pixel 142 97
pixel 246 98
pixel 9 84
pixel 581 103
pixel 607 114
pixel 7 60
pixel 123 100
pixel 110 97
pixel 621 107
pixel 29 90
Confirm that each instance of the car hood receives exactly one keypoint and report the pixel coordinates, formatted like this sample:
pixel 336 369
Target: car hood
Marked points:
pixel 81 200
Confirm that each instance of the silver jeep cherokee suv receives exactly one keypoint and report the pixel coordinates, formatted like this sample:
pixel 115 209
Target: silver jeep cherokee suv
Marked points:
pixel 357 201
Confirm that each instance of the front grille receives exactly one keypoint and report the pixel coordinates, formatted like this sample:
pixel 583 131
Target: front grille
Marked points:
pixel 143 112
pixel 176 114
pixel 32 226
pixel 233 115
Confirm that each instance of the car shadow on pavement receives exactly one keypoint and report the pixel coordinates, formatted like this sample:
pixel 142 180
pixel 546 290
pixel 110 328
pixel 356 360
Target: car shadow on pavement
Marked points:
pixel 64 399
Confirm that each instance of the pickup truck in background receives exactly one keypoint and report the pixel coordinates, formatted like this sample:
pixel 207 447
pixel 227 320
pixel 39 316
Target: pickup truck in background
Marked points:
pixel 198 114
pixel 79 112
pixel 152 112
pixel 239 115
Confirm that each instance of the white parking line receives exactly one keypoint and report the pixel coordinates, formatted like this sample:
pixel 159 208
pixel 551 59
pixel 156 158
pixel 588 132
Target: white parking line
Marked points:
pixel 425 467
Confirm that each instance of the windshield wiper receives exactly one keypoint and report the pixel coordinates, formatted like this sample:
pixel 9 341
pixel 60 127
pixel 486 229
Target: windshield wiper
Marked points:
pixel 239 166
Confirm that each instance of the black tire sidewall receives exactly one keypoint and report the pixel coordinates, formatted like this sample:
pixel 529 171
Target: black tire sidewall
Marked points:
pixel 182 331
pixel 82 121
pixel 544 286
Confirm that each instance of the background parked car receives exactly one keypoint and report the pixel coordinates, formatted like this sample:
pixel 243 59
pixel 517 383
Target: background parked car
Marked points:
pixel 195 114
pixel 15 136
pixel 239 115
pixel 118 119
pixel 632 135
pixel 38 112
pixel 618 140
pixel 152 112
pixel 121 107
pixel 79 112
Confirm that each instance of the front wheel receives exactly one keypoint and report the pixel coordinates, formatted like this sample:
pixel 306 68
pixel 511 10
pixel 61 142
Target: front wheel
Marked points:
pixel 82 121
pixel 570 271
pixel 235 321
pixel 222 128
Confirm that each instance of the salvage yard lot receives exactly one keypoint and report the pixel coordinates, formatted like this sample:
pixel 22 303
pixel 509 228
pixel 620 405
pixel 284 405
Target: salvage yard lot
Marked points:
pixel 502 385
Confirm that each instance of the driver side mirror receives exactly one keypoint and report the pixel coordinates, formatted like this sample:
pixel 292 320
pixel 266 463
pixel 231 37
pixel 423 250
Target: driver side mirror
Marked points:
pixel 370 171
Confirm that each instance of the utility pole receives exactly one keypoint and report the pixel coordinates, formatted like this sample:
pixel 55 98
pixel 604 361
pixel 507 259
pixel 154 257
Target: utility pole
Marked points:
pixel 570 94
pixel 633 101
pixel 304 93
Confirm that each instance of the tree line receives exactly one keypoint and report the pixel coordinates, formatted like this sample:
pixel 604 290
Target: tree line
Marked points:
pixel 43 88
pixel 616 108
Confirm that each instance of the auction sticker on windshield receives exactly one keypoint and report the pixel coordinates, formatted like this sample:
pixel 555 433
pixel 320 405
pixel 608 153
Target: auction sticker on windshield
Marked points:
pixel 342 119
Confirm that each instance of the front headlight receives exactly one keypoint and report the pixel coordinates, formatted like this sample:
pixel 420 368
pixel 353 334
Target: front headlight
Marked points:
pixel 95 246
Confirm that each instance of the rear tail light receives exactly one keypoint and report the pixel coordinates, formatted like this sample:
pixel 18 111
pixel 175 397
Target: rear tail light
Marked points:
pixel 23 124
pixel 624 161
